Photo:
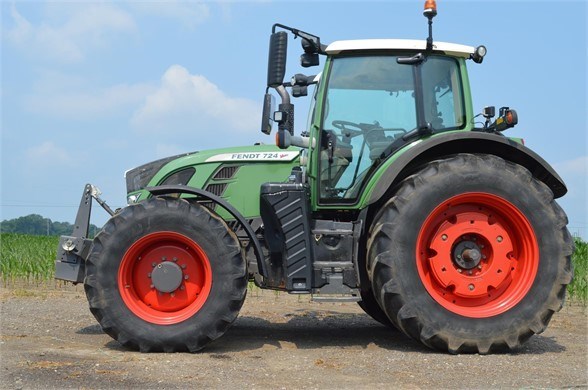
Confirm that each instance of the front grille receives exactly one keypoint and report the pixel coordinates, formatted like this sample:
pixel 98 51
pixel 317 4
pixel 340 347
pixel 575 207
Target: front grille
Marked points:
pixel 226 172
pixel 216 189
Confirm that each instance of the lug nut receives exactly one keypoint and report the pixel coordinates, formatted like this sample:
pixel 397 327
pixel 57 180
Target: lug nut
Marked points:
pixel 153 264
pixel 175 259
pixel 471 287
pixel 182 288
pixel 499 238
pixel 183 266
pixel 173 295
pixel 479 267
pixel 149 275
pixel 459 270
pixel 444 237
pixel 469 272
pixel 163 258
pixel 152 286
pixel 186 277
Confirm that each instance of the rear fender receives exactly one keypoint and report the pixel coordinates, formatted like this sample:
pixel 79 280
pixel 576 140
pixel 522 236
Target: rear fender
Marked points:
pixel 391 173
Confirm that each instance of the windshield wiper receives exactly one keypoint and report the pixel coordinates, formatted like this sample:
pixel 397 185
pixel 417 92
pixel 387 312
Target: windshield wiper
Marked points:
pixel 414 60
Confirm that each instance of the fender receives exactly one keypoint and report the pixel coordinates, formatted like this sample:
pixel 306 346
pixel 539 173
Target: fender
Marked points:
pixel 459 142
pixel 174 189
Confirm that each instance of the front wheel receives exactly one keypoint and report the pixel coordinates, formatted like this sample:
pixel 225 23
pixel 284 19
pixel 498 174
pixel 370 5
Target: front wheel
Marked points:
pixel 471 255
pixel 165 275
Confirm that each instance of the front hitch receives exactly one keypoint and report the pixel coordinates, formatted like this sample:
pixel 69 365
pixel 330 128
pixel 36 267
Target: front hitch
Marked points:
pixel 73 250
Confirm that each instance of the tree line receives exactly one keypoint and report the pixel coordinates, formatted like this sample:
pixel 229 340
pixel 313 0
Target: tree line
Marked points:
pixel 35 224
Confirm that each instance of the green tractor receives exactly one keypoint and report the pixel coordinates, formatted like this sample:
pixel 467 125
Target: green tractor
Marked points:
pixel 393 197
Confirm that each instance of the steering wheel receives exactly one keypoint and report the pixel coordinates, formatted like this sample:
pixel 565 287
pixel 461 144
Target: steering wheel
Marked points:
pixel 343 126
pixel 363 128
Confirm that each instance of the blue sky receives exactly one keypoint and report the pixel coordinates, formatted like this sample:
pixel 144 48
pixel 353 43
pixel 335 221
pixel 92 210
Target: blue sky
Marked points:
pixel 91 89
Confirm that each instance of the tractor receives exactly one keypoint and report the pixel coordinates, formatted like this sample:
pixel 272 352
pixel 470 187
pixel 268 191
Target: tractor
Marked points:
pixel 393 196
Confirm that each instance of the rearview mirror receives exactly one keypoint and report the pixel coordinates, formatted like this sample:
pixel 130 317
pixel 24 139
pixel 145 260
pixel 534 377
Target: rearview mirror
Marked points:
pixel 268 109
pixel 276 67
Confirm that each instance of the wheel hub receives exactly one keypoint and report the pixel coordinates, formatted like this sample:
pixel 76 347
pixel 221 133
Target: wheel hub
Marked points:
pixel 478 255
pixel 467 254
pixel 166 276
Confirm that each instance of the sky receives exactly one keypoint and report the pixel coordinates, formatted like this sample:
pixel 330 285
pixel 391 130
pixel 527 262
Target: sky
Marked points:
pixel 91 89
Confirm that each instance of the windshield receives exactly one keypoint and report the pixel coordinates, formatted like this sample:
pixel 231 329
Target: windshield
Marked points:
pixel 369 103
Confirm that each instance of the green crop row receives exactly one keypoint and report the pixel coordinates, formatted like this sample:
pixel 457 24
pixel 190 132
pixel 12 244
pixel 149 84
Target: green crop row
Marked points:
pixel 27 257
pixel 578 289
pixel 31 258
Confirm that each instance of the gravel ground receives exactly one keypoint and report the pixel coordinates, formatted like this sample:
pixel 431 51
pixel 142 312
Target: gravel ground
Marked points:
pixel 49 339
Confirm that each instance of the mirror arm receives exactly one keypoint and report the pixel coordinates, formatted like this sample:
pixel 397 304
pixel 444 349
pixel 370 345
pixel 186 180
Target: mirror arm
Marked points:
pixel 284 95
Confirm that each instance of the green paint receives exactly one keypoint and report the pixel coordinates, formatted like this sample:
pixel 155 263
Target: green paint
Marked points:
pixel 257 165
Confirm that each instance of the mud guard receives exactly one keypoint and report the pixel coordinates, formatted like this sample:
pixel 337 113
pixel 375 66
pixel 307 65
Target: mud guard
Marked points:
pixel 173 189
pixel 467 142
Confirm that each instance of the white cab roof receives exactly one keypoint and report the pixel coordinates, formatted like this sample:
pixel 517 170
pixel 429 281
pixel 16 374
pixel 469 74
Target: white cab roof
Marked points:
pixel 398 44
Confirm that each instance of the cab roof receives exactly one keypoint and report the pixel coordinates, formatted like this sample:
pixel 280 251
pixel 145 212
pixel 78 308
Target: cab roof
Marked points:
pixel 453 49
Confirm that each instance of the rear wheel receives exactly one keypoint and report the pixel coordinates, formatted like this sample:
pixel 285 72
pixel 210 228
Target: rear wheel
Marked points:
pixel 165 275
pixel 371 307
pixel 471 255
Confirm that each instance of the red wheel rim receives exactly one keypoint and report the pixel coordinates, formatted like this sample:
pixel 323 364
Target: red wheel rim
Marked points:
pixel 477 255
pixel 141 277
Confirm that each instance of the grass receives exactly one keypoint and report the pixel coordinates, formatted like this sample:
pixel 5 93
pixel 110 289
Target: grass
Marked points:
pixel 31 258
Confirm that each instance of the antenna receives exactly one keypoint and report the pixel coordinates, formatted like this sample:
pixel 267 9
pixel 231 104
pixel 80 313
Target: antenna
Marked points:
pixel 430 12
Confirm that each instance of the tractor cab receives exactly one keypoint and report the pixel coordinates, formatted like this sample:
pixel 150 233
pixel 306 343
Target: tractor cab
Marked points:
pixel 368 107
pixel 373 98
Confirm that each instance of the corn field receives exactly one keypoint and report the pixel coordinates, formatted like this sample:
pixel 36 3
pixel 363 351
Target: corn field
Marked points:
pixel 31 258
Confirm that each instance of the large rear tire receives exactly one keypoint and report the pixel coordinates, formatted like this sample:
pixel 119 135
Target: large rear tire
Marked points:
pixel 471 254
pixel 371 307
pixel 165 275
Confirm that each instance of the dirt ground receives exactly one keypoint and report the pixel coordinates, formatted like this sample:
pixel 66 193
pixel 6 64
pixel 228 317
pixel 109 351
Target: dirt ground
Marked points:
pixel 49 339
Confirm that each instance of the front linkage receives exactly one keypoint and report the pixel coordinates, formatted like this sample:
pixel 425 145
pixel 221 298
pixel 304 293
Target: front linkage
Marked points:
pixel 73 250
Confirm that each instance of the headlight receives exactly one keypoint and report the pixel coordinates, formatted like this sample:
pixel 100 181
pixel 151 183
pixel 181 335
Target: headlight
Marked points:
pixel 133 198
pixel 479 54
